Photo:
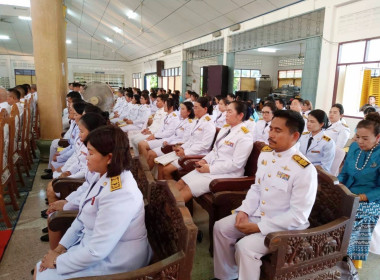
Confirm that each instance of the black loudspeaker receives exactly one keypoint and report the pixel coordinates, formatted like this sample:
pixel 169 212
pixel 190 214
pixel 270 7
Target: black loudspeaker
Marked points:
pixel 205 79
pixel 159 67
pixel 217 82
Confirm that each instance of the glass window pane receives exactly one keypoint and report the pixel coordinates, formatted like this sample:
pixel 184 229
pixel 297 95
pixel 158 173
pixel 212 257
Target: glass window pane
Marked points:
pixel 282 74
pixel 298 74
pixel 352 52
pixel 373 53
pixel 255 73
pixel 290 74
pixel 245 73
pixel 201 71
pixel 237 73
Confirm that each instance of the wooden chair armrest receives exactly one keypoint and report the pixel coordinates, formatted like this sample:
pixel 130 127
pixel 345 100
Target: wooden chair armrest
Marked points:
pixel 188 162
pixel 66 186
pixel 167 149
pixel 325 176
pixel 166 269
pixel 63 143
pixel 61 220
pixel 231 184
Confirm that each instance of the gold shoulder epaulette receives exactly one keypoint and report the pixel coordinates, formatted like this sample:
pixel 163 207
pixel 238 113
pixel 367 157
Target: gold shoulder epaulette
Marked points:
pixel 326 138
pixel 245 130
pixel 345 125
pixel 190 120
pixel 174 115
pixel 226 125
pixel 207 118
pixel 300 160
pixel 251 119
pixel 115 183
pixel 305 117
pixel 260 119
pixel 266 149
pixel 306 132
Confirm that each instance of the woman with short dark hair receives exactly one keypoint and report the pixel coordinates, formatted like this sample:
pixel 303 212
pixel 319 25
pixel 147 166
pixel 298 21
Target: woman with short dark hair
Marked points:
pixel 315 144
pixel 109 235
pixel 338 131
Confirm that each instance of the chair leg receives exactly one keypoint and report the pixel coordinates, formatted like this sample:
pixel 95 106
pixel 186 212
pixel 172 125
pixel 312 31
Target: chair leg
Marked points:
pixel 14 184
pixel 4 211
pixel 33 147
pixel 25 163
pixel 12 196
pixel 21 180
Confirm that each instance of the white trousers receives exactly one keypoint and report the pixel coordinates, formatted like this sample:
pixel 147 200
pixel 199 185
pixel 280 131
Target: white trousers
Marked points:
pixel 134 141
pixel 53 150
pixel 241 259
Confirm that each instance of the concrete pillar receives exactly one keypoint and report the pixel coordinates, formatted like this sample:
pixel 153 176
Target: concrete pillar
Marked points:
pixel 231 67
pixel 50 59
pixel 184 78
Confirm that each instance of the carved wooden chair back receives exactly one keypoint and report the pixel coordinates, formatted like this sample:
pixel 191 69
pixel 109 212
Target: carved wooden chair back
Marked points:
pixel 170 227
pixel 17 132
pixel 251 165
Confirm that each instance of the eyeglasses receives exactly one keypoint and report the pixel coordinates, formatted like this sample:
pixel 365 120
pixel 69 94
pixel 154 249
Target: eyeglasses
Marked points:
pixel 266 112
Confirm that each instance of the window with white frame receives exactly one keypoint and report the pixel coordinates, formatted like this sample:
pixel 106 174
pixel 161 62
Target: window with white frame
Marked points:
pixel 136 80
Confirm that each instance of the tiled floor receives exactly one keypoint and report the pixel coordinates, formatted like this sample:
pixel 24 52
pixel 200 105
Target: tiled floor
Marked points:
pixel 25 248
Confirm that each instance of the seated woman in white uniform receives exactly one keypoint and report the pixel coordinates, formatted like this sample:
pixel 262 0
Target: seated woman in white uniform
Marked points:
pixel 77 164
pixel 220 119
pixel 200 140
pixel 261 131
pixel 315 144
pixel 170 123
pixel 139 115
pixel 109 235
pixel 338 131
pixel 180 136
pixel 57 163
pixel 307 106
pixel 123 110
pixel 227 159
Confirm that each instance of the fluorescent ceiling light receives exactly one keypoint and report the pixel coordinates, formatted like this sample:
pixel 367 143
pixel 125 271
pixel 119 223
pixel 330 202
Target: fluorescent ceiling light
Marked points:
pixel 267 50
pixel 117 30
pixel 4 37
pixel 20 3
pixel 24 18
pixel 108 39
pixel 68 41
pixel 132 15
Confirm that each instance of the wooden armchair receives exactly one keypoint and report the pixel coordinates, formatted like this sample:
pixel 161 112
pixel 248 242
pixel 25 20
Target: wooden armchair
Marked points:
pixel 172 236
pixel 227 193
pixel 314 252
pixel 66 186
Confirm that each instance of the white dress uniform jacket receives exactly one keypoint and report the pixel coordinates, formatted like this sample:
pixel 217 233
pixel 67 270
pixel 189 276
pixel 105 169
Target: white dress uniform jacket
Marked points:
pixel 321 150
pixel 6 106
pixel 201 137
pixel 158 121
pixel 220 120
pixel 140 120
pixel 280 199
pixel 109 235
pixel 339 132
pixel 261 131
pixel 171 121
pixel 227 159
pixel 251 124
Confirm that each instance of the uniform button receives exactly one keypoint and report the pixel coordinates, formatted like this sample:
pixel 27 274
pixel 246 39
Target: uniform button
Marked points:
pixel 266 189
pixel 262 214
pixel 273 160
pixel 269 175
pixel 279 155
pixel 263 202
pixel 105 184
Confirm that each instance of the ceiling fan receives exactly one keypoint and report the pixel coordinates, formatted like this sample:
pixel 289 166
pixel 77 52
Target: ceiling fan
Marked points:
pixel 300 55
pixel 142 29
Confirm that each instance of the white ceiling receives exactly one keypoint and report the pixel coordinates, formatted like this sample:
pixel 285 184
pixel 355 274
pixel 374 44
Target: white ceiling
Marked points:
pixel 160 24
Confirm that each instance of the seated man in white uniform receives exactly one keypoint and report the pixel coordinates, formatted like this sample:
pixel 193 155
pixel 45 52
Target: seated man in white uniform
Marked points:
pixel 158 122
pixel 227 159
pixel 296 106
pixel 280 199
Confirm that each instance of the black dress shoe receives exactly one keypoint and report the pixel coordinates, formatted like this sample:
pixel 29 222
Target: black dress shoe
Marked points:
pixel 47 176
pixel 199 236
pixel 45 230
pixel 45 238
pixel 48 170
pixel 32 271
pixel 43 214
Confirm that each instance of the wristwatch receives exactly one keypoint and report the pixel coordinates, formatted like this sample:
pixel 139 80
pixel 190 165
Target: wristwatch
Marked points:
pixel 55 263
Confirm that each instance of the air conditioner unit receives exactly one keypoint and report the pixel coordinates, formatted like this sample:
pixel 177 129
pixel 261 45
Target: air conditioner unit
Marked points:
pixel 235 27
pixel 216 34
